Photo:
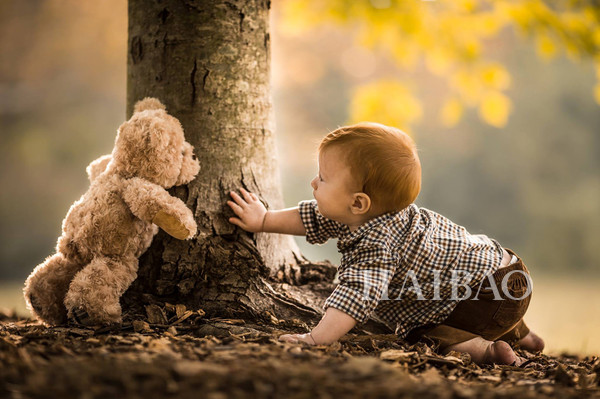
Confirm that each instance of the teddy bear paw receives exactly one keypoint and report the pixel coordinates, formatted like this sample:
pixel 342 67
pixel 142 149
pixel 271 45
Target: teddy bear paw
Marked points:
pixel 173 226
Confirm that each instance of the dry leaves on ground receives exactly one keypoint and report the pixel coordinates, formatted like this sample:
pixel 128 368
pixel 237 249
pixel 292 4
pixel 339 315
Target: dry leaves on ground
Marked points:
pixel 175 352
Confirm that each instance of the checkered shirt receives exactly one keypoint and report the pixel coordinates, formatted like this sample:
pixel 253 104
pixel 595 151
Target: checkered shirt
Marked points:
pixel 388 259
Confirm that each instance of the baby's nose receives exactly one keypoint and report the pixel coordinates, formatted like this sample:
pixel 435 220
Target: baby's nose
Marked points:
pixel 313 183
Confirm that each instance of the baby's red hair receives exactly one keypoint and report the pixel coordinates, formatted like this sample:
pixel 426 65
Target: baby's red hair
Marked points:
pixel 383 161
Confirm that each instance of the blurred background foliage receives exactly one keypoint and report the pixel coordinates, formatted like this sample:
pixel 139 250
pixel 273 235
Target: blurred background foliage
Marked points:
pixel 62 96
pixel 452 39
pixel 501 98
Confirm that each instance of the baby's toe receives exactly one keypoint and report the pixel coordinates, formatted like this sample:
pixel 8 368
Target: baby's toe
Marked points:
pixel 500 352
pixel 532 342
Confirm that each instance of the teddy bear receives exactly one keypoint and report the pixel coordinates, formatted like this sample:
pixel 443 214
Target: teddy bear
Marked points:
pixel 113 223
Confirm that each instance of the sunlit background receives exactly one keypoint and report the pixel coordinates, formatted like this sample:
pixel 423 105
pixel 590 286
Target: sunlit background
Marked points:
pixel 506 120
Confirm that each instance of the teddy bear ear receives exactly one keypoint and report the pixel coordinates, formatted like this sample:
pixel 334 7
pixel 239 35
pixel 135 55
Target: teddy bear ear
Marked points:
pixel 148 103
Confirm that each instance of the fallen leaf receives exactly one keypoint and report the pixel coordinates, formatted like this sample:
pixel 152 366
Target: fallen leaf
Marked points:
pixel 180 310
pixel 399 355
pixel 156 315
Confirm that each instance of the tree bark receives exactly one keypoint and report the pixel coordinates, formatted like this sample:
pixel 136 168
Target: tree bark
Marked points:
pixel 209 62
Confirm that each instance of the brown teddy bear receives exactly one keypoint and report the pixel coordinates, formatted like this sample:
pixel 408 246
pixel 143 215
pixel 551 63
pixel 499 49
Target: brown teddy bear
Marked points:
pixel 113 223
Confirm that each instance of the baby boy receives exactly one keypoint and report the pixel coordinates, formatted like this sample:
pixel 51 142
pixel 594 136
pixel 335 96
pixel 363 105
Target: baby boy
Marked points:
pixel 416 270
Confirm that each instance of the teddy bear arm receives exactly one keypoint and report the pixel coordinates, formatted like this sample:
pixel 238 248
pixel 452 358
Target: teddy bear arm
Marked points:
pixel 96 167
pixel 154 204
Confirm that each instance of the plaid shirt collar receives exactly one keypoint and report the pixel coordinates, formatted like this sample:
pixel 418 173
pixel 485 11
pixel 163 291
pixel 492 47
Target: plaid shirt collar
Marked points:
pixel 349 239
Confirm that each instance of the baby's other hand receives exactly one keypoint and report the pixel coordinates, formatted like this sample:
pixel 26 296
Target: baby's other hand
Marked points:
pixel 249 210
pixel 295 338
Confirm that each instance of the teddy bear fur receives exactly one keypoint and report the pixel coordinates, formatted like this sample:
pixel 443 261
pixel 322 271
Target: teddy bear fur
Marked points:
pixel 113 223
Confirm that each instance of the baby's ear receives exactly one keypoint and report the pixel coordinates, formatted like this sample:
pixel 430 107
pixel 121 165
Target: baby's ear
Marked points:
pixel 361 204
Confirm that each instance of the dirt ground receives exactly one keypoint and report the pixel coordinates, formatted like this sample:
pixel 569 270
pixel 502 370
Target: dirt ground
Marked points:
pixel 178 353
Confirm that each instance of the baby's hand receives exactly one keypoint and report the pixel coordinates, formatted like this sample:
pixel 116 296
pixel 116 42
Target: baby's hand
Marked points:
pixel 295 338
pixel 250 211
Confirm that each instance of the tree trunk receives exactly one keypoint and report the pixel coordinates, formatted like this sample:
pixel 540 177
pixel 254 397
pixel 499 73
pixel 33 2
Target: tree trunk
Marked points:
pixel 209 62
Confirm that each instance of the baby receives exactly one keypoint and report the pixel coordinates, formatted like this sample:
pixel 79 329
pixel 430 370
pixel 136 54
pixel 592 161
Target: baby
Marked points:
pixel 419 272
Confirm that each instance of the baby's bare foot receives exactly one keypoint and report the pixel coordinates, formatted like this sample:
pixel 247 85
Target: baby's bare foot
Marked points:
pixel 500 352
pixel 483 351
pixel 531 342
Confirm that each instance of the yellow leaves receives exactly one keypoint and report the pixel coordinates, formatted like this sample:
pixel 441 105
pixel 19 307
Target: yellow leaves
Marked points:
pixel 472 82
pixel 495 108
pixel 471 49
pixel 406 55
pixel 299 16
pixel 450 38
pixel 573 52
pixel 575 22
pixel 392 103
pixel 546 47
pixel 468 86
pixel 491 23
pixel 452 112
pixel 439 60
pixel 386 101
pixel 520 14
pixel 479 87
pixel 589 14
pixel 468 5
pixel 596 37
pixel 495 76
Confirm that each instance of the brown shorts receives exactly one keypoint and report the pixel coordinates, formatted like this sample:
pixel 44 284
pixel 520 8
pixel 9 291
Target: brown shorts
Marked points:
pixel 484 317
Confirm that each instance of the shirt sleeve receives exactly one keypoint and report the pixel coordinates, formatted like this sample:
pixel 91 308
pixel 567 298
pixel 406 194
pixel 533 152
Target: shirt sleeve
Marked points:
pixel 363 283
pixel 319 229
